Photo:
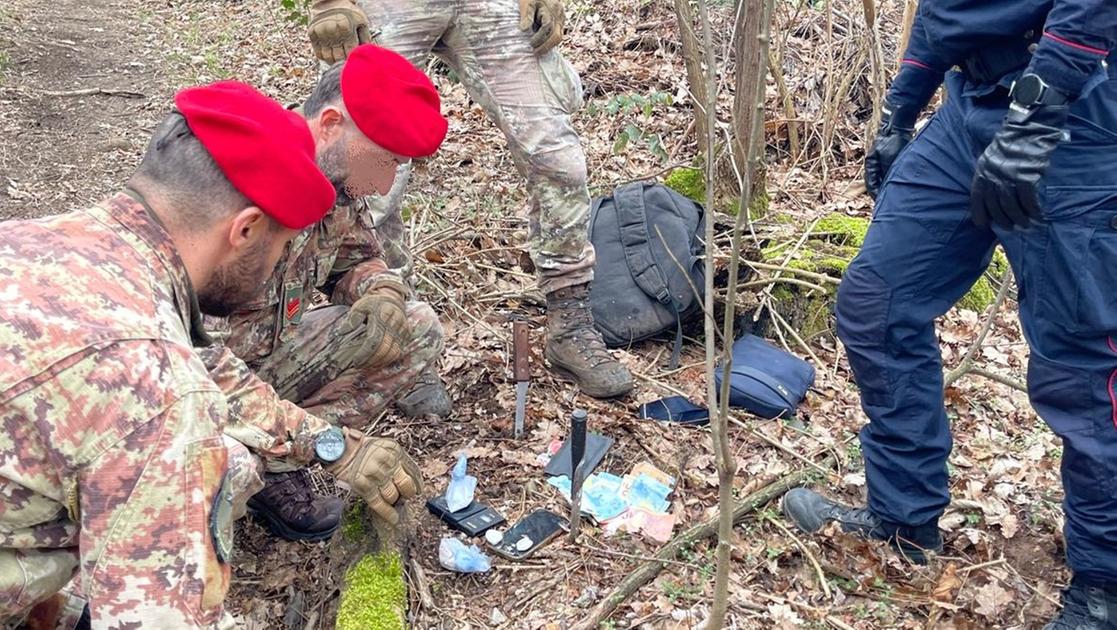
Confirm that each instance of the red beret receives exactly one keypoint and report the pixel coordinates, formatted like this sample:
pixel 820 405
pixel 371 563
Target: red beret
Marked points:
pixel 392 102
pixel 265 151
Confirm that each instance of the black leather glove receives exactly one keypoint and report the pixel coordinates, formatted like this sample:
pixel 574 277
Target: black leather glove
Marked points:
pixel 1005 185
pixel 896 130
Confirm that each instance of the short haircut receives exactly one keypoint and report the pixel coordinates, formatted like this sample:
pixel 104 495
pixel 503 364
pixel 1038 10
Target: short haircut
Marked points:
pixel 182 172
pixel 327 92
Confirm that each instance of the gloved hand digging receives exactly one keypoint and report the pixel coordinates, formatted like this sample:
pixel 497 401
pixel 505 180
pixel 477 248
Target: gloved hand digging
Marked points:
pixel 1006 182
pixel 896 129
pixel 336 28
pixel 379 471
pixel 545 18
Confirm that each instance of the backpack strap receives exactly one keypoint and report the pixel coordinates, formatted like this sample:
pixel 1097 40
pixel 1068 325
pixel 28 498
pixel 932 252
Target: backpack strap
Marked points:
pixel 632 219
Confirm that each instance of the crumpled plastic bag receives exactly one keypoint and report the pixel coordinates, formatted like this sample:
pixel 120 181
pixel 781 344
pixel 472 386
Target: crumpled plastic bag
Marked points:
pixel 459 494
pixel 454 555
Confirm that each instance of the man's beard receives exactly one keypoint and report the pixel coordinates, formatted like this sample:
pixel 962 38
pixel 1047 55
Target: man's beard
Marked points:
pixel 235 284
pixel 332 164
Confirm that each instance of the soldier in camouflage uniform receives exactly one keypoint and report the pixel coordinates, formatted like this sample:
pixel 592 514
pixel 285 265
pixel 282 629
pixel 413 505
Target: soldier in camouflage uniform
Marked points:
pixel 118 488
pixel 306 353
pixel 504 55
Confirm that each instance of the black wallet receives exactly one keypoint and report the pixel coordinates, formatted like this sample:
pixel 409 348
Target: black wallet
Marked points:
pixel 474 519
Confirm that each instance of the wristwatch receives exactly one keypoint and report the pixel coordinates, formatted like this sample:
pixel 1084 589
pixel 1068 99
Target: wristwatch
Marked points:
pixel 1031 91
pixel 329 445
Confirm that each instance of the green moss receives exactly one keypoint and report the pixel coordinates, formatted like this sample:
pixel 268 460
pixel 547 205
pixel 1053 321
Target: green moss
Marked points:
pixel 981 294
pixel 758 207
pixel 688 182
pixel 353 523
pixel 844 229
pixel 375 595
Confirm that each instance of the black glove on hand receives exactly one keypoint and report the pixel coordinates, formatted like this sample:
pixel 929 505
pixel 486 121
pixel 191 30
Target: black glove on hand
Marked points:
pixel 896 130
pixel 1005 186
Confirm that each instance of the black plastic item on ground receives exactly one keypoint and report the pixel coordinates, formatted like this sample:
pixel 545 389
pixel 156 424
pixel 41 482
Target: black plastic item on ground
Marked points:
pixel 596 447
pixel 474 519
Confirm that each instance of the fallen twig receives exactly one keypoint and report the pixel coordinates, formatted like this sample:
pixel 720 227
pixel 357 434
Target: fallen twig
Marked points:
pixel 820 277
pixel 647 572
pixel 966 365
pixel 806 552
pixel 92 92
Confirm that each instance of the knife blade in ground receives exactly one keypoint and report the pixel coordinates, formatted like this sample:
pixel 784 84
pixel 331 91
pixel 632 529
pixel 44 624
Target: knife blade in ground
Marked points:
pixel 521 371
pixel 521 406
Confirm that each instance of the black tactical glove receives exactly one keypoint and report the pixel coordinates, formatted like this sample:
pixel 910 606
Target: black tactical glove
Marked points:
pixel 896 130
pixel 1005 184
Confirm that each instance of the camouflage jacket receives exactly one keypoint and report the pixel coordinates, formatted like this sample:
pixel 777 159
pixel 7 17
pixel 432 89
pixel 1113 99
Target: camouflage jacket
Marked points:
pixel 339 256
pixel 110 425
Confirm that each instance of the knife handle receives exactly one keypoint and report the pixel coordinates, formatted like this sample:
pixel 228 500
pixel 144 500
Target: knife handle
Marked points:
pixel 577 442
pixel 521 370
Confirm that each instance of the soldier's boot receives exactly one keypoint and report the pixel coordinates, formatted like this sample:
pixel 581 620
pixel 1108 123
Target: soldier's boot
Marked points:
pixel 575 348
pixel 1087 607
pixel 291 509
pixel 427 397
pixel 811 511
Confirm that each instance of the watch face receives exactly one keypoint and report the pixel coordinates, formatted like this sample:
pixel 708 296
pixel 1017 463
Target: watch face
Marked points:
pixel 1027 89
pixel 329 446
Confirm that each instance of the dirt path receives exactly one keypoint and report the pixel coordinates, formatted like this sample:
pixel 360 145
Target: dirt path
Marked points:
pixel 62 147
pixel 60 151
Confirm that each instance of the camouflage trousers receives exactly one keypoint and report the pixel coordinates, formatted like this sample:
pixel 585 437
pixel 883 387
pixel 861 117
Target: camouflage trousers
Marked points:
pixel 310 369
pixel 38 587
pixel 530 98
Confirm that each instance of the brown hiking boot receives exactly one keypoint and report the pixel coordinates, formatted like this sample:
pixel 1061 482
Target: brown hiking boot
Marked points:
pixel 290 508
pixel 575 348
pixel 428 396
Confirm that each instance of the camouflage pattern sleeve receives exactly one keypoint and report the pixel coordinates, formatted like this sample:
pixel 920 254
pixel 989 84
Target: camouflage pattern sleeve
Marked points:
pixel 258 417
pixel 360 258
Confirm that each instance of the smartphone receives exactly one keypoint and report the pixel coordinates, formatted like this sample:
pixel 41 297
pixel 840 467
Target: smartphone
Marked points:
pixel 474 519
pixel 524 538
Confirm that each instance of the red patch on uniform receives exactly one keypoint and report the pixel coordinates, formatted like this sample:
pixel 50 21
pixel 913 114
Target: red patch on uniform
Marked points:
pixel 293 307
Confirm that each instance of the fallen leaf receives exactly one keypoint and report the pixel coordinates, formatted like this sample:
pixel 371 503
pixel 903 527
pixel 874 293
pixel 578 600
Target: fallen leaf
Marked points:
pixel 948 583
pixel 991 600
pixel 1009 525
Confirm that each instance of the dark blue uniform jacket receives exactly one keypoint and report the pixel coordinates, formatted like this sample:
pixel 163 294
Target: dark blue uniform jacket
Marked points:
pixel 1073 38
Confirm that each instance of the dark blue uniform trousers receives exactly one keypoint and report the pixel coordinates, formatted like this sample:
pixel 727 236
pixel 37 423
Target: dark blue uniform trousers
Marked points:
pixel 923 252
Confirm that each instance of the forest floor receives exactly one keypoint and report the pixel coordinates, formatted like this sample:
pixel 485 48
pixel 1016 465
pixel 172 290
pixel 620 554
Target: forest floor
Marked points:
pixel 82 84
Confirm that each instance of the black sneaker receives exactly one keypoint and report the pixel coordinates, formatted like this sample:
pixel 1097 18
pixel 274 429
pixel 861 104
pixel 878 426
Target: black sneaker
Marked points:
pixel 1087 607
pixel 291 509
pixel 810 511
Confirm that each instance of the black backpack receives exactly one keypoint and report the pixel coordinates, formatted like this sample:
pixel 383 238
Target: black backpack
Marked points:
pixel 639 290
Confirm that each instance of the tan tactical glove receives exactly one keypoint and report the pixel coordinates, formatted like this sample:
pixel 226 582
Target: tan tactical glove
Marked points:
pixel 336 28
pixel 545 18
pixel 383 316
pixel 379 471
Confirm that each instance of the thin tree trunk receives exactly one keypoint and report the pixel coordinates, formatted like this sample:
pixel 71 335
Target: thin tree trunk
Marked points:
pixel 696 78
pixel 750 64
pixel 751 27
pixel 910 7
pixel 718 421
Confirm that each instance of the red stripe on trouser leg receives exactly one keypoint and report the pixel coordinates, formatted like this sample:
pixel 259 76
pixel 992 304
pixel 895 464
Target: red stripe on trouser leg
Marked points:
pixel 1112 379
